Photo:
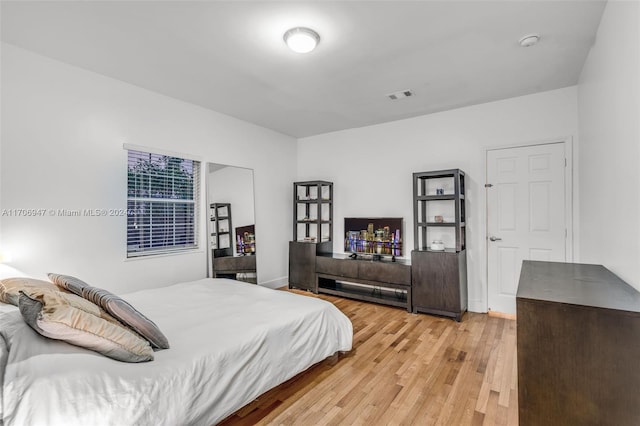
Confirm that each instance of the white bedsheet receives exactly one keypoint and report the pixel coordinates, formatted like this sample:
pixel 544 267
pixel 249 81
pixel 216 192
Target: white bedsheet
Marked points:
pixel 230 342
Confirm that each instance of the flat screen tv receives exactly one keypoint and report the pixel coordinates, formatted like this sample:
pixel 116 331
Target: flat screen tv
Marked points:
pixel 246 239
pixel 376 236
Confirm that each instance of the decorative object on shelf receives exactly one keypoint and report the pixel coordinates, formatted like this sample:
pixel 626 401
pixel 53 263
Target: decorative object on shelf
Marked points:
pixel 438 263
pixel 437 245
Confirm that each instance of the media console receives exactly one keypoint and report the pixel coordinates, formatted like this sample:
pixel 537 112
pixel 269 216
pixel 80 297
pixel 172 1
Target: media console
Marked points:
pixel 381 281
pixel 229 266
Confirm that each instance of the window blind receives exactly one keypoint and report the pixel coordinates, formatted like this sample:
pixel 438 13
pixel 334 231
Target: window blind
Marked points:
pixel 163 194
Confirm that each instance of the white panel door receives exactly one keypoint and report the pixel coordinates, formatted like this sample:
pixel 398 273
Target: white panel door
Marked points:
pixel 526 217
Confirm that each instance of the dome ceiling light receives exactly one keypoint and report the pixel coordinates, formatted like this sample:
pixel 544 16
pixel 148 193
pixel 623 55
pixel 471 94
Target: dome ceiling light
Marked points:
pixel 301 40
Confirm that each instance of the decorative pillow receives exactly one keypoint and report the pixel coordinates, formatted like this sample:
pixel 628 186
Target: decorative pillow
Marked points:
pixel 68 282
pixel 10 288
pixel 116 306
pixel 67 317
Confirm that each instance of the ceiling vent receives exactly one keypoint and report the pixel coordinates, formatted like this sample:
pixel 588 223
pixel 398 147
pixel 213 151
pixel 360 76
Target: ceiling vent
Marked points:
pixel 400 95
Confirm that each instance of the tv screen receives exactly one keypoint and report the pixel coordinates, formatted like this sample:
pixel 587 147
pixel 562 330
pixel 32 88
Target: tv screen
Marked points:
pixel 381 235
pixel 246 239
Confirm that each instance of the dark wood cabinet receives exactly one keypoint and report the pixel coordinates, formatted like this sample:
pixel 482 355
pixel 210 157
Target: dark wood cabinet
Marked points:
pixel 336 266
pixel 234 264
pixel 384 272
pixel 578 346
pixel 439 282
pixel 302 263
pixel 231 266
pixel 383 282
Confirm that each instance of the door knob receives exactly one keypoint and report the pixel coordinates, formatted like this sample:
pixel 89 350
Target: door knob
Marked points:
pixel 492 238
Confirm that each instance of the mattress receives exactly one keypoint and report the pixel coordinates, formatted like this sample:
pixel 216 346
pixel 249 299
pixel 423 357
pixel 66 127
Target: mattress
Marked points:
pixel 230 342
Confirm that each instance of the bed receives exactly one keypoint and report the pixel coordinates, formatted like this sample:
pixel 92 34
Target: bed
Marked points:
pixel 230 342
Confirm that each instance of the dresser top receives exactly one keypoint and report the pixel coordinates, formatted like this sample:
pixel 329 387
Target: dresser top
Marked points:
pixel 576 284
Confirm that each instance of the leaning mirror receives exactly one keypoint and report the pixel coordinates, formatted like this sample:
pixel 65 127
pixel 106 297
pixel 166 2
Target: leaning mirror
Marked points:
pixel 232 242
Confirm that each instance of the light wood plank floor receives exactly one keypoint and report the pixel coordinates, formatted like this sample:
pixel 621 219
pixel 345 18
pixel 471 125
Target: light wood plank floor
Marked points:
pixel 404 369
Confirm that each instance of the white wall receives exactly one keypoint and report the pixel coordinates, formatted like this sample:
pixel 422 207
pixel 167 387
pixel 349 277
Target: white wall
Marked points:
pixel 609 111
pixel 61 148
pixel 372 167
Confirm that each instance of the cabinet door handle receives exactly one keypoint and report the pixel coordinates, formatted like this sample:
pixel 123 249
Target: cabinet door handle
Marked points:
pixel 492 238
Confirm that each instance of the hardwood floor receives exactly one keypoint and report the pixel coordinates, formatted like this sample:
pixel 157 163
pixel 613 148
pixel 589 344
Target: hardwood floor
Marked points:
pixel 404 369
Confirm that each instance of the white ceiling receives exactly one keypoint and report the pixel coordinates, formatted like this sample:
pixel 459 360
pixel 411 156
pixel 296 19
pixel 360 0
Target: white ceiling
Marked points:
pixel 229 56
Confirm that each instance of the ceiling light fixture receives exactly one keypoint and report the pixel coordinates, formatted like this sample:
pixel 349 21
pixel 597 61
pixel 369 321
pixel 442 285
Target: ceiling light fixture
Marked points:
pixel 301 40
pixel 529 40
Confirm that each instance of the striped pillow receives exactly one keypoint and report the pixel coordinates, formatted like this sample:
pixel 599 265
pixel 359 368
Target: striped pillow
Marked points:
pixel 69 283
pixel 116 306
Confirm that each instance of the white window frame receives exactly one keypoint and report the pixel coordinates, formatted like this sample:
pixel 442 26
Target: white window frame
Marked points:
pixel 171 248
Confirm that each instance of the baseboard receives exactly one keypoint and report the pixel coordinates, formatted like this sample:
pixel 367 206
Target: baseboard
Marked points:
pixel 502 315
pixel 276 283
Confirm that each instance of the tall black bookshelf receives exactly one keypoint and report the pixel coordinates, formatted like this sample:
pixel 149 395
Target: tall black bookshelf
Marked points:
pixel 312 230
pixel 221 228
pixel 438 261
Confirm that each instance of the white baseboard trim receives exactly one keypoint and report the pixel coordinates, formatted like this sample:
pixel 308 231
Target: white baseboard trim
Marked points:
pixel 477 305
pixel 276 283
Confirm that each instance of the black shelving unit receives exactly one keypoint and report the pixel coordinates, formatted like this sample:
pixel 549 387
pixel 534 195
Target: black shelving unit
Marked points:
pixel 439 276
pixel 313 211
pixel 221 236
pixel 312 230
pixel 426 186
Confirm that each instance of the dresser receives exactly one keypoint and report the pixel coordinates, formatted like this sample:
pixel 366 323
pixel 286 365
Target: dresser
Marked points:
pixel 578 344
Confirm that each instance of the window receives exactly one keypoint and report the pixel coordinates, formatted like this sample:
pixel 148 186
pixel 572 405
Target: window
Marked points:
pixel 162 204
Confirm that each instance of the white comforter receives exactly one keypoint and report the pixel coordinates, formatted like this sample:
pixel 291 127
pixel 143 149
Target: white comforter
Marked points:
pixel 230 342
